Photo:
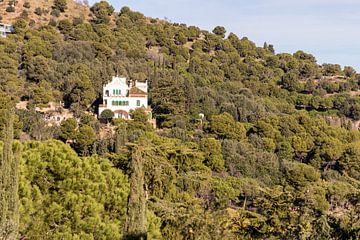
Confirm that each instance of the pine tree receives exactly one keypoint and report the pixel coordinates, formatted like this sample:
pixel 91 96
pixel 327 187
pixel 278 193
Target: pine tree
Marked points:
pixel 135 227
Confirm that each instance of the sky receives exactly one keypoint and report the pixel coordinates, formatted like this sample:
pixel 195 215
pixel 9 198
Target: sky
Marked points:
pixel 328 29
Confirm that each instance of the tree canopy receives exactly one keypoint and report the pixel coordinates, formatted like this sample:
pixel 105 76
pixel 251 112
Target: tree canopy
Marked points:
pixel 249 144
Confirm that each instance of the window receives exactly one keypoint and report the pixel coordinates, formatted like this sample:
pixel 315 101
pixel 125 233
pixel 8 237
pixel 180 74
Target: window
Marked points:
pixel 116 92
pixel 138 103
pixel 120 103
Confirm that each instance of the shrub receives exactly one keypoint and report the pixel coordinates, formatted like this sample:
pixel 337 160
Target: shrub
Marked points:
pixel 55 13
pixel 60 5
pixel 52 22
pixel 107 115
pixel 10 9
pixel 38 11
pixel 26 5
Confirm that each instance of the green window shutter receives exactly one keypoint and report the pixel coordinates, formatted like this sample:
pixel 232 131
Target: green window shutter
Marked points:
pixel 113 103
pixel 119 91
pixel 113 91
pixel 138 103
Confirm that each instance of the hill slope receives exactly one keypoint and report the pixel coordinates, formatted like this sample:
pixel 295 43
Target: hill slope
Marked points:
pixel 74 9
pixel 243 149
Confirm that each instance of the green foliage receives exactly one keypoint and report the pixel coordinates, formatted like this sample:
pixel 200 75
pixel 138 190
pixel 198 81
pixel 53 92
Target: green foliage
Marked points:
pixel 60 5
pixel 107 115
pixel 26 5
pixel 10 9
pixel 331 69
pixel 213 158
pixel 38 11
pixel 68 129
pixel 139 115
pixel 299 174
pixel 9 180
pixel 136 227
pixel 249 147
pixel 220 31
pixel 102 11
pixel 84 139
pixel 65 26
pixel 225 126
pixel 80 198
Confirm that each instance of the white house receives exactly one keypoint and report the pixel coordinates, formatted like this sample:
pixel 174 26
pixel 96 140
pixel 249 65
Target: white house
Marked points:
pixel 5 29
pixel 121 96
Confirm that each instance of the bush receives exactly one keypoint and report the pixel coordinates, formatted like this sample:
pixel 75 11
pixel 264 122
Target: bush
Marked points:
pixel 220 31
pixel 38 11
pixel 107 115
pixel 26 5
pixel 102 11
pixel 60 5
pixel 65 26
pixel 10 9
pixel 55 13
pixel 24 14
pixel 52 22
pixel 78 21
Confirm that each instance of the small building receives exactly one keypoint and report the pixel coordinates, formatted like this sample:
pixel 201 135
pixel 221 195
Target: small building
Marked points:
pixel 121 96
pixel 5 29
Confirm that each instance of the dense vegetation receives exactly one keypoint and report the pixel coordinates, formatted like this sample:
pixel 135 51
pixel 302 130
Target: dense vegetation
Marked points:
pixel 263 162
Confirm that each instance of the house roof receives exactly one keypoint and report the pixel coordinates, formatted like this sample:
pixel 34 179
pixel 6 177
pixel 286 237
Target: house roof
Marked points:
pixel 136 91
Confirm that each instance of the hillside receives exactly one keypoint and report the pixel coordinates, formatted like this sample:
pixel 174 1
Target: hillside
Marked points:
pixel 74 10
pixel 249 144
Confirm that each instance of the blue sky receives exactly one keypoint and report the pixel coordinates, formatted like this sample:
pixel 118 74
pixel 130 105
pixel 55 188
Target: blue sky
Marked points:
pixel 329 29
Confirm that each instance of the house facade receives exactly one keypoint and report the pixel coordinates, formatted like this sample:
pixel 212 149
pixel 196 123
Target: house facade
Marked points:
pixel 121 96
pixel 5 29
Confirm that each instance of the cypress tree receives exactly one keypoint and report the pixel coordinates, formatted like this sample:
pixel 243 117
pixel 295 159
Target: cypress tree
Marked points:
pixel 9 197
pixel 120 137
pixel 135 227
